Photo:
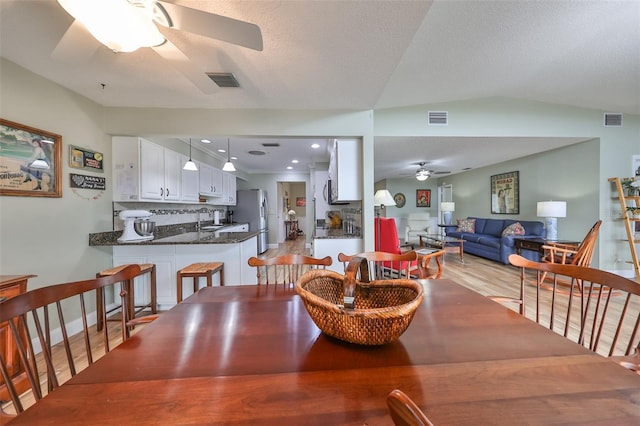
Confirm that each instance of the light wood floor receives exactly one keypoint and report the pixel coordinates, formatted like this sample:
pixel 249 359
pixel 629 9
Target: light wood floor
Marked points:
pixel 481 275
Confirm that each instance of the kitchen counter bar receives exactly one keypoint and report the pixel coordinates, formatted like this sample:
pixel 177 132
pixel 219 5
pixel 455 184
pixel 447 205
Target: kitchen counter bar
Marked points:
pixel 185 235
pixel 327 233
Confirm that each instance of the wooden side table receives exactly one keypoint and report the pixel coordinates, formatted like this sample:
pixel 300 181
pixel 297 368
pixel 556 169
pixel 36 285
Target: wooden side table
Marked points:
pixel 535 244
pixel 291 229
pixel 11 286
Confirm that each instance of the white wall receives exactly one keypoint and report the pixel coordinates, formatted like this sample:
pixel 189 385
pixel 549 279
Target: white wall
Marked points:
pixel 49 236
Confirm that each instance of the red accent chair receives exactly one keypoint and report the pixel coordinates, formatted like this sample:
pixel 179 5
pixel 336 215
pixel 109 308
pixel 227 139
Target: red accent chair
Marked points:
pixel 390 243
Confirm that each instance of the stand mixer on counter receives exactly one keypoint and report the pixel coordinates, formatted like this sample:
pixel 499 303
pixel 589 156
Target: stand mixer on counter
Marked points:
pixel 137 226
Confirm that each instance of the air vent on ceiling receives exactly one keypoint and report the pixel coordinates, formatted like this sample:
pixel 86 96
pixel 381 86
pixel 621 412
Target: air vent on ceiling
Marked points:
pixel 611 119
pixel 438 118
pixel 223 79
pixel 257 152
pixel 271 144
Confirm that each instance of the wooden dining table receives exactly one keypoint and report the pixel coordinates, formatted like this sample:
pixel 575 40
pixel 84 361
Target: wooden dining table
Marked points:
pixel 252 355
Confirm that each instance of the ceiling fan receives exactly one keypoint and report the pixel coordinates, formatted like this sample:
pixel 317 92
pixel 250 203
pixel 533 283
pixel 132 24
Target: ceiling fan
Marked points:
pixel 423 173
pixel 126 25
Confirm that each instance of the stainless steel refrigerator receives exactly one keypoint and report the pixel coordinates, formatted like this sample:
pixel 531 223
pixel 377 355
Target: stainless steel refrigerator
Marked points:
pixel 252 208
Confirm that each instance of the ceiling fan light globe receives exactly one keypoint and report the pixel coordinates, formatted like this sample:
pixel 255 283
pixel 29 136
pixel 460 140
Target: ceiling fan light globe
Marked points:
pixel 120 26
pixel 422 175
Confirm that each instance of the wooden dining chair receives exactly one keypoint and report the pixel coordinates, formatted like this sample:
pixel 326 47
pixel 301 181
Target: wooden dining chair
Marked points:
pixel 384 265
pixel 63 351
pixel 405 412
pixel 286 269
pixel 571 254
pixel 610 305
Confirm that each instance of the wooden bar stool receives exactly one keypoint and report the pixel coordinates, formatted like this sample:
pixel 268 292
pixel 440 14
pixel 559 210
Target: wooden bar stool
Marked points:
pixel 133 310
pixel 198 270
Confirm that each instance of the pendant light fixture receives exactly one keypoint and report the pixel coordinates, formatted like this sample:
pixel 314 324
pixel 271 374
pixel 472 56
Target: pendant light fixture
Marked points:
pixel 190 165
pixel 228 166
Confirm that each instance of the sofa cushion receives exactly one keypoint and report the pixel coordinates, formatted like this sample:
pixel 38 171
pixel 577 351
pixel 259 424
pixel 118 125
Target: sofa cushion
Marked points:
pixel 474 238
pixel 480 222
pixel 489 241
pixel 494 227
pixel 466 225
pixel 513 229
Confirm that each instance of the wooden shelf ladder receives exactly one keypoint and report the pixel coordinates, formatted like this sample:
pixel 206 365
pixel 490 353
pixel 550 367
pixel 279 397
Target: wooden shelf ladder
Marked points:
pixel 629 221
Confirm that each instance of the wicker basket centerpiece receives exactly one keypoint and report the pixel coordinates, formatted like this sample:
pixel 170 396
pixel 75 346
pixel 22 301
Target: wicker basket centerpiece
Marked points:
pixel 359 311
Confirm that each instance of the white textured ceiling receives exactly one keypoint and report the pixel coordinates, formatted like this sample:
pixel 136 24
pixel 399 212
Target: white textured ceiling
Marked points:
pixel 364 55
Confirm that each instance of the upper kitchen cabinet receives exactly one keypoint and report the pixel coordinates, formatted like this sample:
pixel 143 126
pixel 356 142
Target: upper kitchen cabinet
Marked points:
pixel 229 189
pixel 144 171
pixel 345 170
pixel 190 183
pixel 211 184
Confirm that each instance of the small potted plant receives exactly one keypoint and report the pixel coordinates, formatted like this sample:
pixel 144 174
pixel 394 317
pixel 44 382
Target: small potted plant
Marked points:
pixel 634 211
pixel 631 186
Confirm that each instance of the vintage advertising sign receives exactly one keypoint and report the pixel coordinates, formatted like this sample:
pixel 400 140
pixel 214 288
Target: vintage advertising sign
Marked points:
pixel 81 158
pixel 87 182
pixel 30 161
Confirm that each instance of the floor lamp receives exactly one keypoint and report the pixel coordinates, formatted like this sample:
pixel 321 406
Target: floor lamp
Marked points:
pixel 381 199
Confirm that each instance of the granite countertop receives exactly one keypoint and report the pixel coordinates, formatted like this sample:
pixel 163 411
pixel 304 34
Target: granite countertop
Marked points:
pixel 328 233
pixel 174 234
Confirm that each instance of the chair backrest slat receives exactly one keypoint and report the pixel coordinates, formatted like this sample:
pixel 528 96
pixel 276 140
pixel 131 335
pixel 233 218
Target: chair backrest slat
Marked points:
pixel 285 269
pixel 602 309
pixel 34 306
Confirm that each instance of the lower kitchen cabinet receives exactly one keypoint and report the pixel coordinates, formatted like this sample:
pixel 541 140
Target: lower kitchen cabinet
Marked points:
pixel 333 246
pixel 172 257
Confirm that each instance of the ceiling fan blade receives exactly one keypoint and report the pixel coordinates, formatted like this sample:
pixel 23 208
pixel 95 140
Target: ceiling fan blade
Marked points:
pixel 182 63
pixel 214 26
pixel 76 45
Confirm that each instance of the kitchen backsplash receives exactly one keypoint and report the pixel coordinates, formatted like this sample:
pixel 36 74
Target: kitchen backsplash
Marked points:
pixel 168 213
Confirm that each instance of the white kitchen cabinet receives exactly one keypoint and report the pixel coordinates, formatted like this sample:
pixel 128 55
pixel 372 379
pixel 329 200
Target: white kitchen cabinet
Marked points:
pixel 345 170
pixel 211 184
pixel 333 246
pixel 190 183
pixel 144 171
pixel 164 259
pixel 229 189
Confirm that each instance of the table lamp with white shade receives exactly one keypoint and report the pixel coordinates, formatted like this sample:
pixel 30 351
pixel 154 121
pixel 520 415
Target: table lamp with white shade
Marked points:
pixel 447 208
pixel 551 210
pixel 381 199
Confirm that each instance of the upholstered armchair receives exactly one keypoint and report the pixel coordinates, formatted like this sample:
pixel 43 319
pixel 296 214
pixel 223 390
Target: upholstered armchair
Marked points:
pixel 417 223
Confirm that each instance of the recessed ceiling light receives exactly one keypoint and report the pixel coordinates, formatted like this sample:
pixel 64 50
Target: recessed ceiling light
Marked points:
pixel 289 167
pixel 234 158
pixel 294 161
pixel 315 146
pixel 222 150
pixel 205 141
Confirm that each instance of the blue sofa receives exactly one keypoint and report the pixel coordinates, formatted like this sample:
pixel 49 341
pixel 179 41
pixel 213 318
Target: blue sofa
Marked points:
pixel 487 240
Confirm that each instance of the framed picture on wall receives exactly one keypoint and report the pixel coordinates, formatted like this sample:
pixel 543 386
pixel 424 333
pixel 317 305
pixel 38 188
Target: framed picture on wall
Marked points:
pixel 30 161
pixel 423 198
pixel 505 193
